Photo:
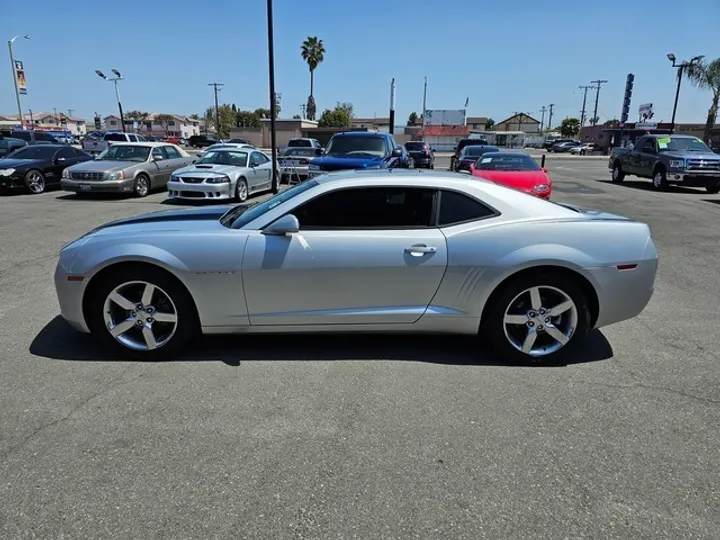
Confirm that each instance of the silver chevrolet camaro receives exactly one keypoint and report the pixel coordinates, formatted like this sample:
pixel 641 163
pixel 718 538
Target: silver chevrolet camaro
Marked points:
pixel 362 251
pixel 225 173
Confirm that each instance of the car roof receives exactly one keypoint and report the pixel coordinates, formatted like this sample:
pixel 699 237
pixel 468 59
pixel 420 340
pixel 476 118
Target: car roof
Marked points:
pixel 57 146
pixel 666 135
pixel 363 133
pixel 151 144
pixel 514 203
pixel 483 146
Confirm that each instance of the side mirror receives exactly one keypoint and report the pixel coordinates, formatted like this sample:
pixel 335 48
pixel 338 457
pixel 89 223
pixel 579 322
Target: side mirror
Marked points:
pixel 287 224
pixel 319 151
pixel 194 161
pixel 397 152
pixel 60 160
pixel 157 158
pixel 544 169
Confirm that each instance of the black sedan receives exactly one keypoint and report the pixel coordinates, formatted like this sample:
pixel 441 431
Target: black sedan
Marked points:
pixel 470 155
pixel 35 167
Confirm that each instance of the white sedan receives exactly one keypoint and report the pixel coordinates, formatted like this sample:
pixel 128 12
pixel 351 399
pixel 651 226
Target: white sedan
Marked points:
pixel 224 145
pixel 223 174
pixel 583 149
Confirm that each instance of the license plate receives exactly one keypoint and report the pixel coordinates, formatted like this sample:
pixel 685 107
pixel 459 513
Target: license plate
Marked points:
pixel 84 187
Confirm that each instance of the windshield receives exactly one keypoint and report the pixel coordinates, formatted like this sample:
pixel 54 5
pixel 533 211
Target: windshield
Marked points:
pixel 415 146
pixel 243 214
pixel 303 152
pixel 682 144
pixel 224 157
pixel 299 142
pixel 349 145
pixel 504 162
pixel 34 152
pixel 121 152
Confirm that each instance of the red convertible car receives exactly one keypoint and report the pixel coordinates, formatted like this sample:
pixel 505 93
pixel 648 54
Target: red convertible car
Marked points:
pixel 514 170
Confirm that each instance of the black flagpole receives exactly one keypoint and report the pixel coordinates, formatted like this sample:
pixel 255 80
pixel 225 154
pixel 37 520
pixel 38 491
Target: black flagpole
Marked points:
pixel 271 65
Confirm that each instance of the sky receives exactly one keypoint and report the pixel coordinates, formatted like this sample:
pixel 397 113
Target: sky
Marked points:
pixel 505 56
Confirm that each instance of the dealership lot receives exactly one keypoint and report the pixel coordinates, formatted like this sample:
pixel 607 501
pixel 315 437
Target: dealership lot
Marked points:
pixel 330 437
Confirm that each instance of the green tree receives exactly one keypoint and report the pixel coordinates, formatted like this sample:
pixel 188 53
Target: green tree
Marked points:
pixel 164 120
pixel 706 75
pixel 297 117
pixel 227 118
pixel 139 117
pixel 340 116
pixel 489 124
pixel 593 120
pixel 310 108
pixel 612 122
pixel 570 127
pixel 412 119
pixel 312 52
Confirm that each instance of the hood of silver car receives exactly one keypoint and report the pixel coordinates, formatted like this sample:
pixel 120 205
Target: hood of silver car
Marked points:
pixel 189 219
pixel 102 166
pixel 207 170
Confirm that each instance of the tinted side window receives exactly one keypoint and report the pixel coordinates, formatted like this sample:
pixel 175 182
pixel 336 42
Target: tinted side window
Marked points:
pixel 80 153
pixel 377 208
pixel 172 153
pixel 262 158
pixel 115 137
pixel 40 136
pixel 67 153
pixel 25 136
pixel 458 208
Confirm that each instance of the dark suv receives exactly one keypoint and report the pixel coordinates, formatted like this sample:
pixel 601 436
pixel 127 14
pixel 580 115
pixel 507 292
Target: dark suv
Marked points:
pixel 422 154
pixel 201 141
pixel 34 137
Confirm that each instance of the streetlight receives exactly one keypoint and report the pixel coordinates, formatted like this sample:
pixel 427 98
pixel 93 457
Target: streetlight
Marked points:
pixel 14 74
pixel 115 80
pixel 680 67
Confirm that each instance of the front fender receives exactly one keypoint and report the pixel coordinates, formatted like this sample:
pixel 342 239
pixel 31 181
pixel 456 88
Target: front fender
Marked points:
pixel 91 264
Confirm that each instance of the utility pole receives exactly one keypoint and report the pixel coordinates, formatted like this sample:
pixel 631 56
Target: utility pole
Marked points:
pixel 217 87
pixel 550 117
pixel 599 83
pixel 392 106
pixel 424 100
pixel 542 118
pixel 582 112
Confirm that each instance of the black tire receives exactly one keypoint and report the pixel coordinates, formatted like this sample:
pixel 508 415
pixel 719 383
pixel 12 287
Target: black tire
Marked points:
pixel 275 183
pixel 141 187
pixel 617 173
pixel 35 181
pixel 493 326
pixel 659 180
pixel 712 190
pixel 187 325
pixel 241 195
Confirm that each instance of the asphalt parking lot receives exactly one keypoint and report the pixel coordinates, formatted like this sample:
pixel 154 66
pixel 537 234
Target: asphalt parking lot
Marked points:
pixel 315 437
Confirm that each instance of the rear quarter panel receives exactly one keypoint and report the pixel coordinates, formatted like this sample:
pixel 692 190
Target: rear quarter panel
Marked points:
pixel 481 257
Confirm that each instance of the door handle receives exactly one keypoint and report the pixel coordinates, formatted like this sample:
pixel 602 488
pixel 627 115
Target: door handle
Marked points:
pixel 418 251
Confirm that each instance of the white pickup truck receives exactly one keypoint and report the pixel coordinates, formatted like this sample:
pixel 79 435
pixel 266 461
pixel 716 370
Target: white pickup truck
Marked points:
pixel 96 145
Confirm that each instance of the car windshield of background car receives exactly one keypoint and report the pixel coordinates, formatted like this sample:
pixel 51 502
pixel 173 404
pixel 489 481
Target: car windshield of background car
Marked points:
pixel 121 152
pixel 33 152
pixel 298 143
pixel 414 146
pixel 357 146
pixel 243 214
pixel 682 144
pixel 224 157
pixel 493 162
pixel 475 151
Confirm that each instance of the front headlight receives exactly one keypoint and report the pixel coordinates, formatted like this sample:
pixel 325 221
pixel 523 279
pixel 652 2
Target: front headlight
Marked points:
pixel 116 175
pixel 174 178
pixel 541 188
pixel 677 163
pixel 218 180
pixel 6 172
pixel 65 174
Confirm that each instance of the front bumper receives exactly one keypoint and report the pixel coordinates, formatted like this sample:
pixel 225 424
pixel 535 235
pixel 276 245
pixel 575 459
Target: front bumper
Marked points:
pixel 695 178
pixel 70 295
pixel 11 182
pixel 214 192
pixel 101 186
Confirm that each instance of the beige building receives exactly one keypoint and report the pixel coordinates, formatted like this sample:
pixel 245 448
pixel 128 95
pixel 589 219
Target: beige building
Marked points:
pixel 181 126
pixel 518 122
pixel 45 121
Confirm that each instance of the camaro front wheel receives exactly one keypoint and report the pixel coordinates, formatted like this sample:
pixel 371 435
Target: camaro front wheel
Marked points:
pixel 536 318
pixel 141 312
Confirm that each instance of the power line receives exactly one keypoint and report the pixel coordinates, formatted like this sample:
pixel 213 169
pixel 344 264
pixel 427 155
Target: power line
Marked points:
pixel 599 83
pixel 550 118
pixel 217 87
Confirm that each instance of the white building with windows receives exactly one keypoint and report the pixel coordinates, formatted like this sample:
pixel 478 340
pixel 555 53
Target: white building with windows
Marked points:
pixel 157 124
pixel 46 122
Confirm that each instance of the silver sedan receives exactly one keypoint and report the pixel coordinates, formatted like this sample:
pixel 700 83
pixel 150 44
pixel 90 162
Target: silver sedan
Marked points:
pixel 367 251
pixel 132 168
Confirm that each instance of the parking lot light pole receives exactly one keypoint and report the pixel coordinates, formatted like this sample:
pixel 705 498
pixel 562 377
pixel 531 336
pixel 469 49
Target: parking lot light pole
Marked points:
pixel 271 77
pixel 680 67
pixel 114 80
pixel 14 74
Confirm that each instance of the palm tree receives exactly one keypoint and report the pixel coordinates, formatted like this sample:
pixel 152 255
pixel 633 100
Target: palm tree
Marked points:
pixel 706 75
pixel 312 51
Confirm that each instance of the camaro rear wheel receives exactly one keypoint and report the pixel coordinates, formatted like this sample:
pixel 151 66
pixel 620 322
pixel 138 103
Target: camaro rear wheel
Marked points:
pixel 142 313
pixel 537 318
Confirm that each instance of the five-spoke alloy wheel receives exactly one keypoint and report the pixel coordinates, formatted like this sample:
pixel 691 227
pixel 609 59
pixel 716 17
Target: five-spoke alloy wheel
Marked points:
pixel 536 318
pixel 142 312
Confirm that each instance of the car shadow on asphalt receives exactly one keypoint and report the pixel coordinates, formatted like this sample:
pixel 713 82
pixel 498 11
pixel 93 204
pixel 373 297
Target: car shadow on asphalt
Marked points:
pixel 58 341
pixel 714 201
pixel 647 186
